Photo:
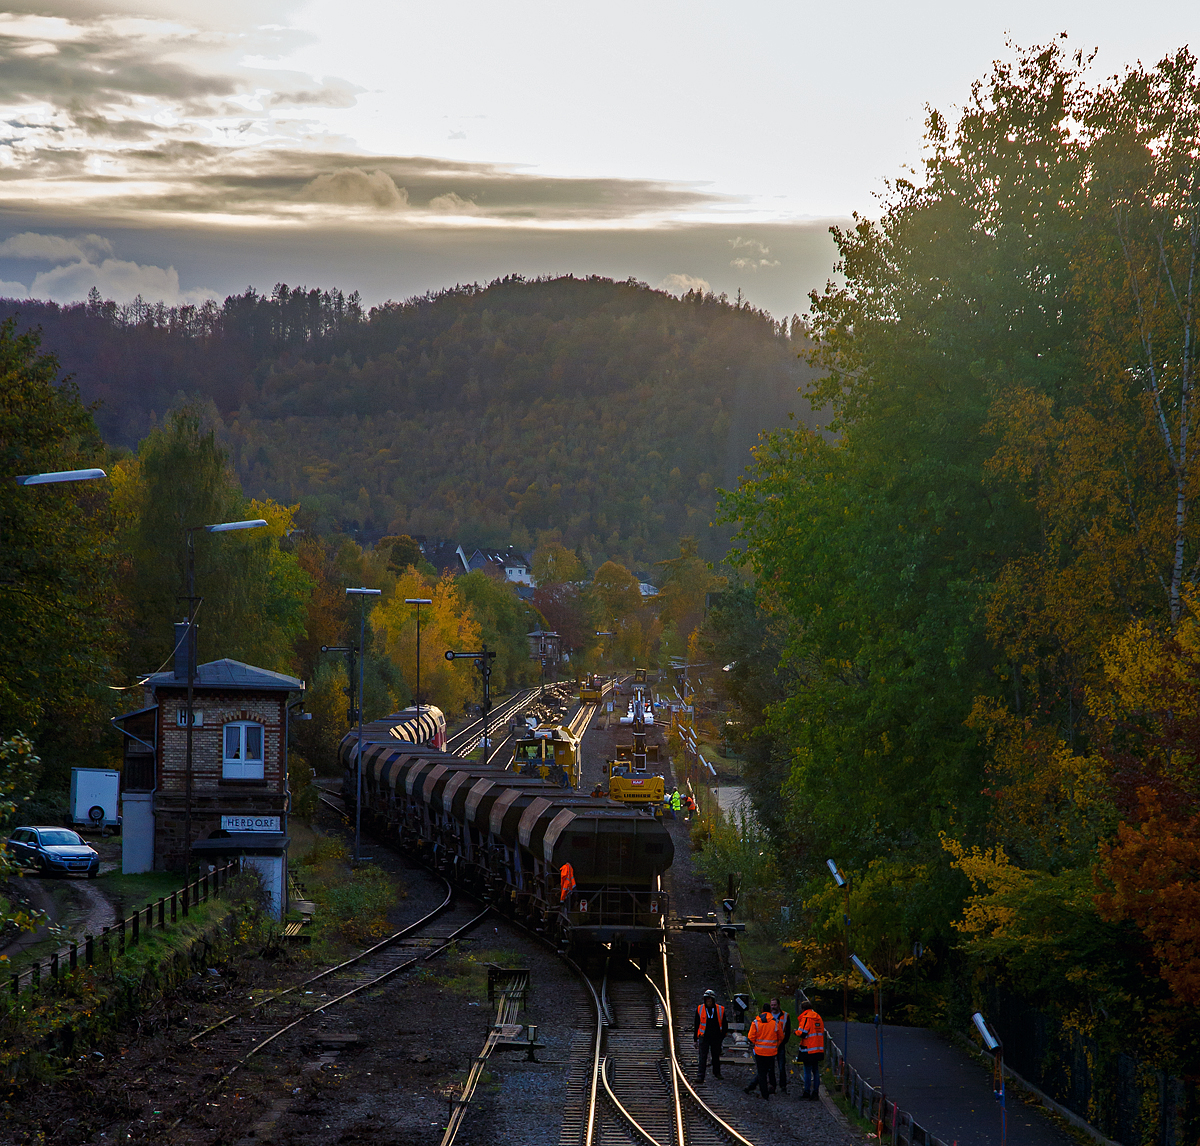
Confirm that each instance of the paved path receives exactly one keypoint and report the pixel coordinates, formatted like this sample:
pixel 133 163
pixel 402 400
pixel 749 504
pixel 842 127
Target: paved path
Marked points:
pixel 945 1088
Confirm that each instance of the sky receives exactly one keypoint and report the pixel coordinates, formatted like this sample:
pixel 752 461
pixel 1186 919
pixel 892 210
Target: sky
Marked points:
pixel 185 151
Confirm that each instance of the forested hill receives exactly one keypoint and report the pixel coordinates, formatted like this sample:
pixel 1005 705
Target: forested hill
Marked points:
pixel 607 410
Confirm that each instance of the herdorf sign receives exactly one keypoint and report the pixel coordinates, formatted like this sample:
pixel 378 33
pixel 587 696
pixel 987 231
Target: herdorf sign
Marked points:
pixel 250 823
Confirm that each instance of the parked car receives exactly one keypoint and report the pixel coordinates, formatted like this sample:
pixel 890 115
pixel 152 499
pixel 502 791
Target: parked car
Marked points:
pixel 53 850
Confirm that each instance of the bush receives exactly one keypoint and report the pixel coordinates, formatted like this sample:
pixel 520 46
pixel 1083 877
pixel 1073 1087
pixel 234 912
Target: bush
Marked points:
pixel 361 904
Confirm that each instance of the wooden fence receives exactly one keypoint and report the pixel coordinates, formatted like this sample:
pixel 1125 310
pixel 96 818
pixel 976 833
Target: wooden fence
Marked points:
pixel 111 943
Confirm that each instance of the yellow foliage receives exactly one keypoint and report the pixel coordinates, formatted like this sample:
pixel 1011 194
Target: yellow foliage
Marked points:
pixel 994 879
pixel 446 624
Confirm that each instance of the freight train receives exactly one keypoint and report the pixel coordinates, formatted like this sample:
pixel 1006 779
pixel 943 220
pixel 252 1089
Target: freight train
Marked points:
pixel 581 870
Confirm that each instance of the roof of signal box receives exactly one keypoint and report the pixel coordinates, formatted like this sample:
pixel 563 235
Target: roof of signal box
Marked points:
pixel 229 674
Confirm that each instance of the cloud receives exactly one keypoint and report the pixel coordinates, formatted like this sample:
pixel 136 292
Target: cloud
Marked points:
pixel 54 248
pixel 681 284
pixel 450 203
pixel 757 257
pixel 352 186
pixel 13 290
pixel 115 279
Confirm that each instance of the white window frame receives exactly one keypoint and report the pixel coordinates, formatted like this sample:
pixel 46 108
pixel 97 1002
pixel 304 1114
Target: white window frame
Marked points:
pixel 238 767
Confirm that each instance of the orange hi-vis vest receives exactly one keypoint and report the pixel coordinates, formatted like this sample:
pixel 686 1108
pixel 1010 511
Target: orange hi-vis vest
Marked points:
pixel 810 1028
pixel 566 879
pixel 720 1019
pixel 763 1036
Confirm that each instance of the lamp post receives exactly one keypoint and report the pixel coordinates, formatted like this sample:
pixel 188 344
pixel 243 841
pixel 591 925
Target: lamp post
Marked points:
pixel 844 882
pixel 992 1043
pixel 483 662
pixel 191 531
pixel 418 601
pixel 59 476
pixel 873 980
pixel 362 656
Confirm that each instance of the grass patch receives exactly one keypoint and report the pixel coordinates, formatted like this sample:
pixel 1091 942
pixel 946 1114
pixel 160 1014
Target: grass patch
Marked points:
pixel 856 1120
pixel 135 891
pixel 465 973
pixel 353 902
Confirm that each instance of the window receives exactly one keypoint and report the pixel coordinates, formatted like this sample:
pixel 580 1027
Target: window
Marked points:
pixel 243 756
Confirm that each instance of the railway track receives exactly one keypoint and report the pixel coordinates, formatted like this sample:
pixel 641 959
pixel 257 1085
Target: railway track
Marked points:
pixel 466 739
pixel 238 1037
pixel 629 1085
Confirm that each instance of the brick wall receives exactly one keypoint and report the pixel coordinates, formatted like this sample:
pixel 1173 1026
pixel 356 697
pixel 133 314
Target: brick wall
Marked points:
pixel 212 795
pixel 219 709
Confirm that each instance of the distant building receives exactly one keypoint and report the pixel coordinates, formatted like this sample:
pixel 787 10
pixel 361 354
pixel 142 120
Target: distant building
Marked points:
pixel 239 791
pixel 544 645
pixel 512 564
pixel 450 557
pixel 444 556
pixel 647 590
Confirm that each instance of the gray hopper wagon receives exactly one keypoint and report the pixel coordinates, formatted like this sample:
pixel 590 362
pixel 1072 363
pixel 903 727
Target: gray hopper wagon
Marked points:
pixel 519 840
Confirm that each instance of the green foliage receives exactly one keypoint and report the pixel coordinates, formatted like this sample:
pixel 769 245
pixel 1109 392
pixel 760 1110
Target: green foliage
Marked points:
pixel 18 771
pixel 504 622
pixel 355 901
pixel 255 592
pixel 974 577
pixel 61 631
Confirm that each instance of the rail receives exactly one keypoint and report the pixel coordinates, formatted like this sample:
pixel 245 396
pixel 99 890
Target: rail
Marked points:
pixel 509 998
pixel 468 737
pixel 372 980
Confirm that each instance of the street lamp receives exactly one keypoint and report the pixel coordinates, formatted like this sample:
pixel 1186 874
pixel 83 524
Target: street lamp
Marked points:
pixel 873 980
pixel 993 1044
pixel 362 656
pixel 220 527
pixel 60 475
pixel 844 882
pixel 418 601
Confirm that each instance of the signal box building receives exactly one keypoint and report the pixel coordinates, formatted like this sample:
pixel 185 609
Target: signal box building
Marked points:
pixel 239 766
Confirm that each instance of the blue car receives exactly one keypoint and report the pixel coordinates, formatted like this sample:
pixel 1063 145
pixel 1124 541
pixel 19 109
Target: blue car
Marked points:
pixel 51 851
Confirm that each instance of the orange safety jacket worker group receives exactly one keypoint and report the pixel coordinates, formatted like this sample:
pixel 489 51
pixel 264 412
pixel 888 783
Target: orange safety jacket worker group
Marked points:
pixel 810 1030
pixel 566 877
pixel 720 1020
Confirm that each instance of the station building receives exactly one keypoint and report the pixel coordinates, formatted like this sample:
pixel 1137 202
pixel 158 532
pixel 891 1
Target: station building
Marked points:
pixel 239 797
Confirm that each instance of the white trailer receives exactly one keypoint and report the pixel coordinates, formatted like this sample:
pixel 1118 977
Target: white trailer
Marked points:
pixel 95 793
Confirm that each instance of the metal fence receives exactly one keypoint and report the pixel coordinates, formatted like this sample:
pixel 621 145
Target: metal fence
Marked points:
pixel 898 1125
pixel 1126 1100
pixel 101 950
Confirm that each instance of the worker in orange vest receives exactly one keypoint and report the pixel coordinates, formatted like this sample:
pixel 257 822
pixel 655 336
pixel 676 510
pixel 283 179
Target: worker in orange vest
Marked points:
pixel 763 1036
pixel 810 1030
pixel 709 1028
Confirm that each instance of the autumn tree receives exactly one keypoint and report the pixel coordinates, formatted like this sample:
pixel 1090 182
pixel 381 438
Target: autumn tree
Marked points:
pixel 555 564
pixel 683 596
pixel 616 592
pixel 446 624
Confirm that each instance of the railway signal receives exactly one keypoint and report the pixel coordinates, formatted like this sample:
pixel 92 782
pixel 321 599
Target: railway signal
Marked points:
pixel 483 662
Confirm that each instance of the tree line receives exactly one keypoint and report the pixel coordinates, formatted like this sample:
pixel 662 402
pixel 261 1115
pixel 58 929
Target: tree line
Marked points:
pixel 608 411
pixel 970 611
